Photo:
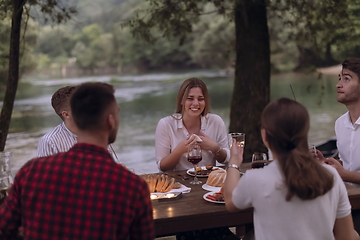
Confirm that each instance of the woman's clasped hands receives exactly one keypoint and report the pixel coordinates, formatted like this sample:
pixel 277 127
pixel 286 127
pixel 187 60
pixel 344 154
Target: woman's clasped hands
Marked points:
pixel 203 140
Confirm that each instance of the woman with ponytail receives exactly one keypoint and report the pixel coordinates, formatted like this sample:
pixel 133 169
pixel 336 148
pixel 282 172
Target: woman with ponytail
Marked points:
pixel 295 196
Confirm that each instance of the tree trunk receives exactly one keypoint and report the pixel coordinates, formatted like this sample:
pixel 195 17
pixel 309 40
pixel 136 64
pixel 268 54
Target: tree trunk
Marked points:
pixel 329 60
pixel 252 73
pixel 13 74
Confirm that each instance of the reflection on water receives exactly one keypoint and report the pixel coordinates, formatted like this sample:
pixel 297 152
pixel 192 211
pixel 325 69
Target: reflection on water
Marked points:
pixel 144 99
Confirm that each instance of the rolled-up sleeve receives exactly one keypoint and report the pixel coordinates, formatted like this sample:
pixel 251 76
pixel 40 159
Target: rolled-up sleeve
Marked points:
pixel 162 141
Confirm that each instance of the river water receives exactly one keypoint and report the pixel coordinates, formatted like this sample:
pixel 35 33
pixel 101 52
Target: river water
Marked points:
pixel 144 99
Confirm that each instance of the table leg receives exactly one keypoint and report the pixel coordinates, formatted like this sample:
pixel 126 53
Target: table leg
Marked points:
pixel 242 230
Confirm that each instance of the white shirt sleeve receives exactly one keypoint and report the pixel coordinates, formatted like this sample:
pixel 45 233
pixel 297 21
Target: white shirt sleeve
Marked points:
pixel 222 136
pixel 162 141
pixel 241 195
pixel 344 207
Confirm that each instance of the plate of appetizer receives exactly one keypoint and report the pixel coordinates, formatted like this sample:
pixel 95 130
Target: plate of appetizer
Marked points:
pixel 202 171
pixel 214 197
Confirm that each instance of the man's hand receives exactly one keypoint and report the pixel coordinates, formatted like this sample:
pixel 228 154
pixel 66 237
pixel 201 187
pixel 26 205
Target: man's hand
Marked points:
pixel 337 165
pixel 317 154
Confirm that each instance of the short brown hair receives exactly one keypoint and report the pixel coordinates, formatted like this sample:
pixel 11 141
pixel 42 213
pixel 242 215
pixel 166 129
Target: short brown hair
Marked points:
pixel 184 92
pixel 60 99
pixel 352 64
pixel 286 123
pixel 89 103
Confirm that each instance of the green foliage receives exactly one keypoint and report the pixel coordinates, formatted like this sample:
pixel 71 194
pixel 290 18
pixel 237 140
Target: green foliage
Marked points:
pixel 88 34
pixel 92 48
pixel 314 31
pixel 54 41
pixel 212 31
pixel 196 33
pixel 162 53
pixel 5 7
pixel 347 41
pixel 174 19
pixel 27 57
pixel 4 50
pixel 49 42
pixel 98 45
pixel 52 10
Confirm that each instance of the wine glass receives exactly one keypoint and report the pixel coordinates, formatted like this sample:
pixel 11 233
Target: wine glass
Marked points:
pixel 258 160
pixel 239 137
pixel 194 156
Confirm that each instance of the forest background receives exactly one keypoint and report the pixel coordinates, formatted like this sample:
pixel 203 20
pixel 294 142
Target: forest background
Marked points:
pixel 95 41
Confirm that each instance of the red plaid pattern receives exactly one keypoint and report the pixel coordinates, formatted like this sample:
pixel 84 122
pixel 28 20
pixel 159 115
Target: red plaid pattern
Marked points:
pixel 79 194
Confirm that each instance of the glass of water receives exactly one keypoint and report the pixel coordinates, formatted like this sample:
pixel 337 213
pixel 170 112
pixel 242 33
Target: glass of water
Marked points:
pixel 239 137
pixel 5 185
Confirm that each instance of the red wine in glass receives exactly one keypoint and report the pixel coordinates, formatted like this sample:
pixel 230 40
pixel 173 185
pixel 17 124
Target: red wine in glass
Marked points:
pixel 258 164
pixel 259 160
pixel 194 156
pixel 195 159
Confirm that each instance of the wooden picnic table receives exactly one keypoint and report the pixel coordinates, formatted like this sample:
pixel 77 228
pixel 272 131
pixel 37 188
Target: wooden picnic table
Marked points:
pixel 192 212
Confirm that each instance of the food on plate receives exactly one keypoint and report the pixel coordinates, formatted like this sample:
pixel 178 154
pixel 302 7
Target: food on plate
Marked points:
pixel 198 169
pixel 218 196
pixel 209 167
pixel 159 183
pixel 216 178
pixel 202 171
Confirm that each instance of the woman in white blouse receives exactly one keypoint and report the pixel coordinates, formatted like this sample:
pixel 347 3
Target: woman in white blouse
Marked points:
pixel 174 134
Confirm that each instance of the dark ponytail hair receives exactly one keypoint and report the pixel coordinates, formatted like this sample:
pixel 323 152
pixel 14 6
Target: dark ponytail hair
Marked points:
pixel 286 123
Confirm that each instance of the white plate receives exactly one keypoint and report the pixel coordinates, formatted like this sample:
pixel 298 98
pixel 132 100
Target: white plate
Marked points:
pixel 211 188
pixel 209 200
pixel 203 167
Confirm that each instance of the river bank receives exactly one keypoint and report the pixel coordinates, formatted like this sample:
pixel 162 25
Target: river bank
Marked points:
pixel 333 70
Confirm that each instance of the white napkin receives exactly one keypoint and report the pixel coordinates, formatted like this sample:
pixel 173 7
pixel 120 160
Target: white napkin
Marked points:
pixel 183 189
pixel 198 139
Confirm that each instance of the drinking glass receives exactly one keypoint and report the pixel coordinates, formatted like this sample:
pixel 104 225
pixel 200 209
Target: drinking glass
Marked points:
pixel 5 162
pixel 5 185
pixel 194 156
pixel 239 137
pixel 259 160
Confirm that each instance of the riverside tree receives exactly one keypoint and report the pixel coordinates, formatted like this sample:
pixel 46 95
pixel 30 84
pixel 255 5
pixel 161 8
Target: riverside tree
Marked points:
pixel 251 90
pixel 51 10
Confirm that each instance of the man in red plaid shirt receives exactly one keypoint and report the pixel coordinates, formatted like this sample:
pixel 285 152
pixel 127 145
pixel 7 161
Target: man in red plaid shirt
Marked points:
pixel 82 193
